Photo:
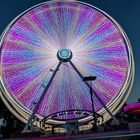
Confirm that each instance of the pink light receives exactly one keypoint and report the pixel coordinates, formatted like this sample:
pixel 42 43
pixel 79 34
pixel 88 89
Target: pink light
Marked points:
pixel 132 107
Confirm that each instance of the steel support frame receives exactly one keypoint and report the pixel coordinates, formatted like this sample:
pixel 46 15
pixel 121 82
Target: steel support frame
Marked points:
pixel 33 115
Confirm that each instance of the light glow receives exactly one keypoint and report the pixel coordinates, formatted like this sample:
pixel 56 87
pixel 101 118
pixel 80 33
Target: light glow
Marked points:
pixel 28 58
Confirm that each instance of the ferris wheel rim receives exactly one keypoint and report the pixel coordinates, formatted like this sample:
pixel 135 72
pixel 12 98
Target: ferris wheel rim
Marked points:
pixel 131 66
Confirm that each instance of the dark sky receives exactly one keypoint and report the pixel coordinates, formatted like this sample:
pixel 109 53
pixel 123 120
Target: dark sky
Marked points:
pixel 126 12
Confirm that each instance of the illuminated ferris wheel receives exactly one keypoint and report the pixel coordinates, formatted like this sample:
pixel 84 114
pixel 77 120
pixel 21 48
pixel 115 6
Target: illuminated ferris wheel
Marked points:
pixel 47 51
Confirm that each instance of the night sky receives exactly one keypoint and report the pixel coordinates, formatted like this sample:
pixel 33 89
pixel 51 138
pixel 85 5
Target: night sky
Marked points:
pixel 126 12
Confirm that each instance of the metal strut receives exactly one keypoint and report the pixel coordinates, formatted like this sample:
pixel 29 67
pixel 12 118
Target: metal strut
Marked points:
pixel 32 117
pixel 89 86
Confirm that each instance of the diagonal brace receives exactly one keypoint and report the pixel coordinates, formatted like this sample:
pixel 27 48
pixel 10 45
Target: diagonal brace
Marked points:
pixel 96 95
pixel 30 121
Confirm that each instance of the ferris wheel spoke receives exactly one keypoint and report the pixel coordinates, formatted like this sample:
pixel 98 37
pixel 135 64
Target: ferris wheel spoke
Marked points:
pixel 100 100
pixel 104 91
pixel 102 72
pixel 49 32
pixel 85 35
pixel 105 46
pixel 29 46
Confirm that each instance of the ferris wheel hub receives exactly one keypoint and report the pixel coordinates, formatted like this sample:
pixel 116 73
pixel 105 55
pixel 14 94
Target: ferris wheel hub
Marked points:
pixel 64 55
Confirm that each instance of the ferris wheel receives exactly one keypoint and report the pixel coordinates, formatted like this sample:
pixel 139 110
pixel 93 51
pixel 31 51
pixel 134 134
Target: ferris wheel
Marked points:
pixel 48 51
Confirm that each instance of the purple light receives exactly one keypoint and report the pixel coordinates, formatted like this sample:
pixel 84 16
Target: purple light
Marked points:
pixel 132 107
pixel 29 55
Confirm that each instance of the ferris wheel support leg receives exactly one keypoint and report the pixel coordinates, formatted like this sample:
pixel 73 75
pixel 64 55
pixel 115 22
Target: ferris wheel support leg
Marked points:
pixel 32 117
pixel 89 86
